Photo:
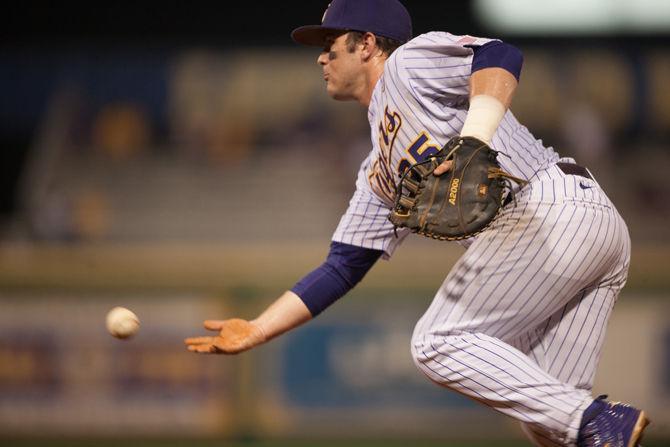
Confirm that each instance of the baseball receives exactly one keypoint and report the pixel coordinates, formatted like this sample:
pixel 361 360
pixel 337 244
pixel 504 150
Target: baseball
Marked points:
pixel 122 322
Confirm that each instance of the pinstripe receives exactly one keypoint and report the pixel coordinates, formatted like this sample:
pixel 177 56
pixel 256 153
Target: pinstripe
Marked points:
pixel 495 397
pixel 589 367
pixel 482 386
pixel 423 57
pixel 472 393
pixel 577 267
pixel 417 121
pixel 610 303
pixel 508 162
pixel 408 89
pixel 515 138
pixel 473 258
pixel 528 348
pixel 532 370
pixel 528 297
pixel 569 330
pixel 511 136
pixel 578 357
pixel 437 67
pixel 549 320
pixel 518 355
pixel 531 296
pixel 497 375
pixel 360 222
pixel 437 78
pixel 510 256
pixel 427 112
pixel 565 331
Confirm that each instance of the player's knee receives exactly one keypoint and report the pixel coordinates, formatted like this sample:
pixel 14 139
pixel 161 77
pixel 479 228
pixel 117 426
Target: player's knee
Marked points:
pixel 421 360
pixel 425 347
pixel 417 342
pixel 416 354
pixel 431 352
pixel 418 348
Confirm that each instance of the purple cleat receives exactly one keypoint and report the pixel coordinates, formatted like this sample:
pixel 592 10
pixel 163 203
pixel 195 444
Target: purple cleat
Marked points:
pixel 611 424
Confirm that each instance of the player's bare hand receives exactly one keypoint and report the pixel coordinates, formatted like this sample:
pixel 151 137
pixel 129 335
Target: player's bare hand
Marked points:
pixel 444 167
pixel 235 336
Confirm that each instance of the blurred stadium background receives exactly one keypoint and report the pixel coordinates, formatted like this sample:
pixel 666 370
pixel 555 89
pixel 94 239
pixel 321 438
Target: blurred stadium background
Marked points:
pixel 182 159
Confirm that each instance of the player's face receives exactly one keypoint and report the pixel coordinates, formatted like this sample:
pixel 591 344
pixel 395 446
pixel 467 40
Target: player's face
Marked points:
pixel 342 69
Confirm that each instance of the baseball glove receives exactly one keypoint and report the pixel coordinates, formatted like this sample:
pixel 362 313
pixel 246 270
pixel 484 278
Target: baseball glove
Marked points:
pixel 455 205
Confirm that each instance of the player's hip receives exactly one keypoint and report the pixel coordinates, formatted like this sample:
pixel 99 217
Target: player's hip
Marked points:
pixel 564 196
pixel 564 181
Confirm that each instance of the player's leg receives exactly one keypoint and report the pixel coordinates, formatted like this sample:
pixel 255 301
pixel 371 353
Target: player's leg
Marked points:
pixel 569 344
pixel 510 281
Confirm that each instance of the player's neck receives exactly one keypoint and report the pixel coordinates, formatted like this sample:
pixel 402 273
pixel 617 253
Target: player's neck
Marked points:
pixel 374 72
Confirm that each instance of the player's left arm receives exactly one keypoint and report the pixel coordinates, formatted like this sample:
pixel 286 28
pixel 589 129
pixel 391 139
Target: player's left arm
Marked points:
pixel 496 68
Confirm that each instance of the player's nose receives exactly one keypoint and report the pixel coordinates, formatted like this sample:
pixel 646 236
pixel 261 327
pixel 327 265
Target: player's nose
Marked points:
pixel 322 59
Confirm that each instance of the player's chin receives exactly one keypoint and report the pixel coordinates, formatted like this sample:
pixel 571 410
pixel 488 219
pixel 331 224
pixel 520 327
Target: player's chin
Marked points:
pixel 337 95
pixel 332 92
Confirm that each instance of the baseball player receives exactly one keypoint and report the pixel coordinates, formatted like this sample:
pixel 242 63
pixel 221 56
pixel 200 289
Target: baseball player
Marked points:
pixel 519 322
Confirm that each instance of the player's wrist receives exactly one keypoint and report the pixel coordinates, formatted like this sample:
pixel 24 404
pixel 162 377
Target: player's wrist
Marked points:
pixel 484 116
pixel 260 334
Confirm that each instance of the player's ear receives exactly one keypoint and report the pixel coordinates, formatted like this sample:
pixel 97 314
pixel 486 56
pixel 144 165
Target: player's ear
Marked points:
pixel 370 47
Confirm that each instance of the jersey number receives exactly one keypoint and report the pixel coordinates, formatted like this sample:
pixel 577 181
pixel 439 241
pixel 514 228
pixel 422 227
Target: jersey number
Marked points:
pixel 420 150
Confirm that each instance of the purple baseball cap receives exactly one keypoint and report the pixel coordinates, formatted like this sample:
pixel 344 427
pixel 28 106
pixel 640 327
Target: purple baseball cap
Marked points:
pixel 386 18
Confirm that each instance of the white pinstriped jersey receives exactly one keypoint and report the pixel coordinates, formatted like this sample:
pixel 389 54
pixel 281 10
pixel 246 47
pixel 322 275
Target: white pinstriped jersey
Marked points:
pixel 418 104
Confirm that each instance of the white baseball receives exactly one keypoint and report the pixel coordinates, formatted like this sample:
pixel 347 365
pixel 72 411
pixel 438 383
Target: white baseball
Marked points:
pixel 122 322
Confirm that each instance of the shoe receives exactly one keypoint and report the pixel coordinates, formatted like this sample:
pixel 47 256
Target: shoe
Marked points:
pixel 611 424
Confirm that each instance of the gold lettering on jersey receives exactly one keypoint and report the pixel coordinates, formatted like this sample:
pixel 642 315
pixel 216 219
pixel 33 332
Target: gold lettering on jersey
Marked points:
pixel 388 129
pixel 453 191
pixel 380 176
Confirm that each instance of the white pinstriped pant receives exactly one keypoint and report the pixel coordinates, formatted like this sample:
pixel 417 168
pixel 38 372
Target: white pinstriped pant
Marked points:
pixel 519 322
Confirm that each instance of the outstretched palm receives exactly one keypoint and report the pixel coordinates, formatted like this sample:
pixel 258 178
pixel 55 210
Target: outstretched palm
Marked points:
pixel 235 336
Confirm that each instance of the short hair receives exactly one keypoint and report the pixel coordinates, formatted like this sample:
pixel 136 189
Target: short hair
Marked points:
pixel 387 45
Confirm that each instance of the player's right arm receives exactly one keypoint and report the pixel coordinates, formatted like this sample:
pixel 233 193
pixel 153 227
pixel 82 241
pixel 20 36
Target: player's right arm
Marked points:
pixel 363 235
pixel 452 69
pixel 237 335
pixel 344 267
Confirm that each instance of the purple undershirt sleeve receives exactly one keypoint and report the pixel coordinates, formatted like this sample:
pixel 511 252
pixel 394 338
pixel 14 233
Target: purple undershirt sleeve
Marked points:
pixel 344 267
pixel 498 54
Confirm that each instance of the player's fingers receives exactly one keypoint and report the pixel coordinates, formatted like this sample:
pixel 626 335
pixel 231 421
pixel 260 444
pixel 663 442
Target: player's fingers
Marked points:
pixel 199 341
pixel 202 349
pixel 444 167
pixel 214 325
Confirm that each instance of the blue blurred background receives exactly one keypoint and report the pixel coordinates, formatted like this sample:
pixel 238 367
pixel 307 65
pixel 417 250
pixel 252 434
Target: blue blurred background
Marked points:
pixel 182 159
